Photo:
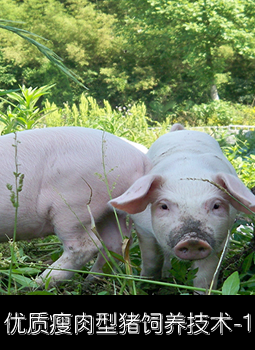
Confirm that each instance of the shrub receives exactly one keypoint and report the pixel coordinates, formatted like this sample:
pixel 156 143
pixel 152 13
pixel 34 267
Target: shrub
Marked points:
pixel 218 113
pixel 124 121
pixel 241 155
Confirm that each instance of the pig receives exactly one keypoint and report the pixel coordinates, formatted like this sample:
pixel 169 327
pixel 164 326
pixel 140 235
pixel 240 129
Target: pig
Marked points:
pixel 64 171
pixel 177 208
pixel 141 148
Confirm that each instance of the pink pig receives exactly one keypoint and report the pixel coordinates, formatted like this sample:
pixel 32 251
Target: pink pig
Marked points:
pixel 63 172
pixel 178 214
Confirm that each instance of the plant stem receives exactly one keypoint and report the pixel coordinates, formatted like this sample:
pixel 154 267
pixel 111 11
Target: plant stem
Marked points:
pixel 219 263
pixel 140 279
pixel 15 201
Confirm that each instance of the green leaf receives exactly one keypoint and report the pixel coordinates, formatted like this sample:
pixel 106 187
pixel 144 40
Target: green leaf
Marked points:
pixel 250 283
pixel 231 285
pixel 104 292
pixel 26 271
pixel 5 92
pixel 40 292
pixel 24 281
pixel 247 263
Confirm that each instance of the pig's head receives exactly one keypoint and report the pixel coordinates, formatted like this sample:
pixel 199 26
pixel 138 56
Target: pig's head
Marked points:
pixel 190 217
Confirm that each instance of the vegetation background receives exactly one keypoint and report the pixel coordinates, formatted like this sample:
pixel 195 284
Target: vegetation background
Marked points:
pixel 178 58
pixel 146 64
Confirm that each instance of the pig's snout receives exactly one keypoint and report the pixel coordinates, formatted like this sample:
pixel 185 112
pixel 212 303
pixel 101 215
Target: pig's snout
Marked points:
pixel 192 249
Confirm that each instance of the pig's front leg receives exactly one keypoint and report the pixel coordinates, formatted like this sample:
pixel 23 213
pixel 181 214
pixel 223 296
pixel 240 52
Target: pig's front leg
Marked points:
pixel 152 256
pixel 110 234
pixel 206 269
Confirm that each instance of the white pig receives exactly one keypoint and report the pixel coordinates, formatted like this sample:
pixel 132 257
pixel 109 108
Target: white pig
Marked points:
pixel 64 170
pixel 178 214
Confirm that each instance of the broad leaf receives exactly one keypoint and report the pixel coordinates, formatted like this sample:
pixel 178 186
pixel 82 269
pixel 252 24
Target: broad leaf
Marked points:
pixel 231 285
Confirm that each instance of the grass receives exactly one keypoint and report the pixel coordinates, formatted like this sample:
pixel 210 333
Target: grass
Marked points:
pixel 32 257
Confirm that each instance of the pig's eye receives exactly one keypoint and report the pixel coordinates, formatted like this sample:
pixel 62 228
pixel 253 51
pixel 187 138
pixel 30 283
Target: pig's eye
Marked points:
pixel 164 207
pixel 216 206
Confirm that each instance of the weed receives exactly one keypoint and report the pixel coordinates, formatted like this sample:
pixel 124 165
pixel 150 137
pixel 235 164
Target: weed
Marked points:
pixel 15 201
pixel 25 114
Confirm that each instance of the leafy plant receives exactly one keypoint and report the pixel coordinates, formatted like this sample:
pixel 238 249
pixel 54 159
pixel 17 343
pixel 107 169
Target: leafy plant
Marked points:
pixel 182 271
pixel 241 156
pixel 25 114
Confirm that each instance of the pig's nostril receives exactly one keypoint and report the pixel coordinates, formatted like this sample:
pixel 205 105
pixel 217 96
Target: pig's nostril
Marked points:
pixel 192 249
pixel 184 250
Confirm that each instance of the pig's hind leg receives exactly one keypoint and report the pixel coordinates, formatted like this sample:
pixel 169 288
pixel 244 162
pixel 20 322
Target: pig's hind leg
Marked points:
pixel 80 246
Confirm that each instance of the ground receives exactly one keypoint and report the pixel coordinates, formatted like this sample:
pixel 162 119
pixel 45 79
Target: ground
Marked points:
pixel 33 256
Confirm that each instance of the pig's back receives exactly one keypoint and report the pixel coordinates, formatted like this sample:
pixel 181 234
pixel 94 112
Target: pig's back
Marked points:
pixel 188 151
pixel 50 144
pixel 64 164
pixel 188 141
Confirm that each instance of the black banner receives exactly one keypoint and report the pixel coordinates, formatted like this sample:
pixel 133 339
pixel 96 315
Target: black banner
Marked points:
pixel 111 315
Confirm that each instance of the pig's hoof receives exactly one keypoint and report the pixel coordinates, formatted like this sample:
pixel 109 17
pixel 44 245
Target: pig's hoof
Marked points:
pixel 93 279
pixel 42 281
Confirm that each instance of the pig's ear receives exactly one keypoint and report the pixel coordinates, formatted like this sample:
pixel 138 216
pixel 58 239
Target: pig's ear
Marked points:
pixel 176 127
pixel 238 190
pixel 139 195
